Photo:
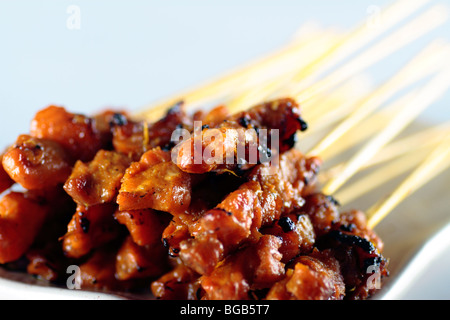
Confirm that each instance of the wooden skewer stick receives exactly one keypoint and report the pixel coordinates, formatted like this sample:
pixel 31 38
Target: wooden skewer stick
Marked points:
pixel 424 98
pixel 422 65
pixel 413 143
pixel 355 40
pixel 222 84
pixel 423 138
pixel 330 57
pixel 248 95
pixel 384 174
pixel 342 49
pixel 336 105
pixel 435 163
pixel 413 30
pixel 391 16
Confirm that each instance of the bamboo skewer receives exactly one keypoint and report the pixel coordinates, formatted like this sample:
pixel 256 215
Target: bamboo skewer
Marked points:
pixel 413 143
pixel 430 93
pixel 355 40
pixel 435 163
pixel 423 64
pixel 305 89
pixel 426 22
pixel 231 80
pixel 391 16
pixel 336 53
pixel 383 175
pixel 254 94
pixel 323 50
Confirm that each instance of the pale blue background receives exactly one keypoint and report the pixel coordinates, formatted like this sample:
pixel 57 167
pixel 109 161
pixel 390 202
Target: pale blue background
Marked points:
pixel 130 53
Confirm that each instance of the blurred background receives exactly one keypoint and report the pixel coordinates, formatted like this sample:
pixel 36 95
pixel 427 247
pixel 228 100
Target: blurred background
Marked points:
pixel 87 55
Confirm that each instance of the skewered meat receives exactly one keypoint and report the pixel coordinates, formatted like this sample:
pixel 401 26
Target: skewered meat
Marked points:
pixel 130 208
pixel 233 142
pixel 99 180
pixel 36 163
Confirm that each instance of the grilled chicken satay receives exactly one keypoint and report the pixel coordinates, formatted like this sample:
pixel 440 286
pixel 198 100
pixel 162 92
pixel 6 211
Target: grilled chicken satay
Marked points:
pixel 254 267
pixel 98 181
pixel 238 140
pixel 21 218
pixel 89 228
pixel 76 133
pixel 257 203
pixel 134 138
pixel 357 248
pixel 36 163
pixel 155 182
pixel 313 277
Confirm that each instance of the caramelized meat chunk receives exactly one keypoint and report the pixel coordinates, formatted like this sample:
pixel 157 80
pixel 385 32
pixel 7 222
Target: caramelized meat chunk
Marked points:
pixel 76 133
pixel 236 142
pixel 214 117
pixel 99 272
pixel 242 213
pixel 180 283
pixel 255 267
pixel 362 265
pixel 134 261
pixel 296 233
pixel 21 218
pixel 145 226
pixel 36 163
pixel 155 183
pixel 90 228
pixel 134 138
pixel 47 263
pixel 5 179
pixel 323 212
pixel 99 180
pixel 313 277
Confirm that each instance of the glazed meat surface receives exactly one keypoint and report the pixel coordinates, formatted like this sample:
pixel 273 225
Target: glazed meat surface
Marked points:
pixel 98 181
pixel 130 207
pixel 236 141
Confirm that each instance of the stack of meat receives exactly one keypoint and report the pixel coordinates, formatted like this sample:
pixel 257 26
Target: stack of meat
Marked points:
pixel 136 211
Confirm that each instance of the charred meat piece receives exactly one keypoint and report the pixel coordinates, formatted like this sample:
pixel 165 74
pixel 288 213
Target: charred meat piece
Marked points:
pixel 90 228
pixel 296 233
pixel 180 283
pixel 212 118
pixel 254 267
pixel 155 182
pixel 48 262
pixel 239 139
pixel 134 138
pixel 98 272
pixel 145 226
pixel 21 218
pixel 36 163
pixel 98 181
pixel 362 264
pixel 238 218
pixel 323 212
pixel 313 277
pixel 76 133
pixel 135 262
